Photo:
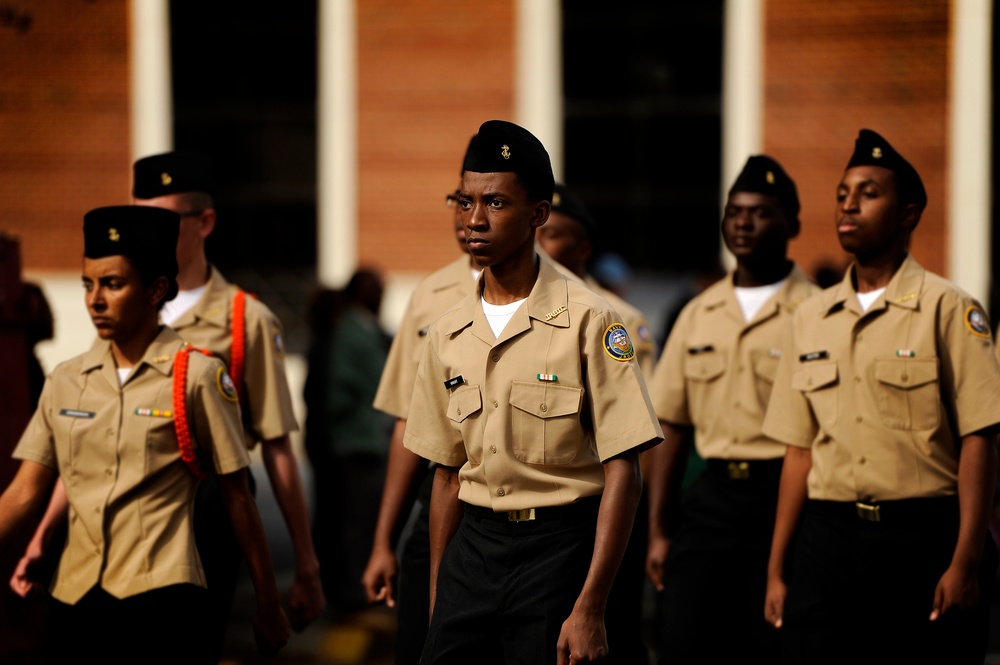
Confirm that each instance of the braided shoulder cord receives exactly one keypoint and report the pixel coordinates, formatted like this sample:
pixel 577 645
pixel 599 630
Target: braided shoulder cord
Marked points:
pixel 181 425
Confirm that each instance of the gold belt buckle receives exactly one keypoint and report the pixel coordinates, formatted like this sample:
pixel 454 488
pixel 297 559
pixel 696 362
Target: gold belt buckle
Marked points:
pixel 868 512
pixel 739 470
pixel 523 515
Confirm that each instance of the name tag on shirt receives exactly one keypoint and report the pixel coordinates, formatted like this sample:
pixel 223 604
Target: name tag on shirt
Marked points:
pixel 694 351
pixel 73 413
pixel 815 355
pixel 455 382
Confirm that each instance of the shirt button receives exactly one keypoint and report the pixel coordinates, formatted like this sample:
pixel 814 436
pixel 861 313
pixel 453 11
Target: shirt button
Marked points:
pixel 500 491
pixel 496 404
pixel 495 357
pixel 111 432
pixel 458 412
pixel 740 368
pixel 736 405
pixel 857 379
pixel 97 509
pixel 862 460
pixel 108 472
pixel 543 407
pixel 858 338
pixel 905 377
pixel 859 418
pixel 493 449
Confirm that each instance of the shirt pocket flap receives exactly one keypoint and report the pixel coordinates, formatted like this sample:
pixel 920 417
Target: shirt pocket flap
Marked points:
pixel 814 375
pixel 464 402
pixel 704 366
pixel 545 401
pixel 907 374
pixel 766 368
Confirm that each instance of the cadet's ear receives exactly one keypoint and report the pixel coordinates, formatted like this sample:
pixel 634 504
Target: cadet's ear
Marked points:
pixel 909 217
pixel 540 214
pixel 207 222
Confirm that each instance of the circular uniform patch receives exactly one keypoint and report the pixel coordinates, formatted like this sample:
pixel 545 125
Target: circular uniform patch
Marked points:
pixel 617 343
pixel 976 321
pixel 279 345
pixel 226 385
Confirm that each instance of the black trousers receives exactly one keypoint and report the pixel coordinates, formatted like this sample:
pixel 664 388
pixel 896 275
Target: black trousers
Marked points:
pixel 165 625
pixel 413 592
pixel 715 576
pixel 862 592
pixel 505 588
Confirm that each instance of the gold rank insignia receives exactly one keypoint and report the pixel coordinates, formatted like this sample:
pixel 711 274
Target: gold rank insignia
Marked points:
pixel 161 359
pixel 166 178
pixel 770 178
pixel 554 313
pixel 556 199
pixel 617 343
pixel 877 152
pixel 505 151
pixel 113 235
pixel 976 322
pixel 225 384
pixel 908 296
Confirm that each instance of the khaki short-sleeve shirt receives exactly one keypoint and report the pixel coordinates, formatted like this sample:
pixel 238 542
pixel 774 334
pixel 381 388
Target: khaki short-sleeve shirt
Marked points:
pixel 883 397
pixel 268 410
pixel 115 448
pixel 717 369
pixel 531 416
pixel 435 295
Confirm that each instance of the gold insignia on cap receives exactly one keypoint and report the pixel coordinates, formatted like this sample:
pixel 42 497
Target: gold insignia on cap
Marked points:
pixel 166 178
pixel 113 234
pixel 556 199
pixel 505 151
pixel 877 152
pixel 770 178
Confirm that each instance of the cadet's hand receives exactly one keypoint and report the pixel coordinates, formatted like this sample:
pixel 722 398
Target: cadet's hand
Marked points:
pixel 656 556
pixel 270 630
pixel 306 600
pixel 774 600
pixel 582 639
pixel 22 581
pixel 379 577
pixel 958 587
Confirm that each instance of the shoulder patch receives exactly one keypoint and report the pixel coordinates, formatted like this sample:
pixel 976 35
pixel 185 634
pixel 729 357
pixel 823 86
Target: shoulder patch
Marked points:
pixel 643 334
pixel 225 383
pixel 617 343
pixel 976 321
pixel 279 345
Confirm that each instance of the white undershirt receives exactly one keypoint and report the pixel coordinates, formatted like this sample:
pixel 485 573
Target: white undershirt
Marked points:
pixel 499 315
pixel 868 298
pixel 123 375
pixel 176 308
pixel 752 298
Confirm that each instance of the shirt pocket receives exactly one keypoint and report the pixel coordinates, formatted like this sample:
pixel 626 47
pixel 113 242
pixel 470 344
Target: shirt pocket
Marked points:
pixel 465 402
pixel 545 422
pixel 701 374
pixel 765 368
pixel 907 393
pixel 818 381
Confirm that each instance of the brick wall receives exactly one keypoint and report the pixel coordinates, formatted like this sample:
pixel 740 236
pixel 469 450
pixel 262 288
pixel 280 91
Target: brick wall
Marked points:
pixel 429 73
pixel 64 122
pixel 832 68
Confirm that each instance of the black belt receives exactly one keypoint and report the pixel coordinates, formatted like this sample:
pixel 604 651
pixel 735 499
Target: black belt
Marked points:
pixel 755 470
pixel 583 508
pixel 900 511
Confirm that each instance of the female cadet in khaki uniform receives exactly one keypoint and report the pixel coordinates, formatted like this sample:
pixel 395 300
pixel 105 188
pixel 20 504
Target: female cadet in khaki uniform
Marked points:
pixel 715 376
pixel 888 398
pixel 111 424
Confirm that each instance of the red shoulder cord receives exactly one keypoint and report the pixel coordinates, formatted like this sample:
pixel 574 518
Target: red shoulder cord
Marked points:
pixel 238 351
pixel 180 410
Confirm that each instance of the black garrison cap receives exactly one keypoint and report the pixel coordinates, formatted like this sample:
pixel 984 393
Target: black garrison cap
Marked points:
pixel 870 149
pixel 145 235
pixel 172 173
pixel 566 202
pixel 763 175
pixel 502 147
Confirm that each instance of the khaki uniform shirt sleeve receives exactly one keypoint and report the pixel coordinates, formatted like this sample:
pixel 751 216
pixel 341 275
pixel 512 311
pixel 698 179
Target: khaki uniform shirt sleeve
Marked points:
pixel 395 388
pixel 970 375
pixel 430 431
pixel 667 388
pixel 36 443
pixel 216 425
pixel 269 400
pixel 789 417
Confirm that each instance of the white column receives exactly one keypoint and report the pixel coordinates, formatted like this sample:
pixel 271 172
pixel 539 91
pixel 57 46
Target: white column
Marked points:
pixel 337 151
pixel 152 98
pixel 969 173
pixel 538 90
pixel 742 91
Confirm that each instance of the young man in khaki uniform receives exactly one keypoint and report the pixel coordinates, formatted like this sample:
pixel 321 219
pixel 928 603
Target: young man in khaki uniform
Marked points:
pixel 888 398
pixel 435 295
pixel 111 423
pixel 715 377
pixel 530 400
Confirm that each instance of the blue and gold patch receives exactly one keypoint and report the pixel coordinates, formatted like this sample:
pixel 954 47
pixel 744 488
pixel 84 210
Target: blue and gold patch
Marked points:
pixel 617 343
pixel 279 345
pixel 226 385
pixel 976 321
